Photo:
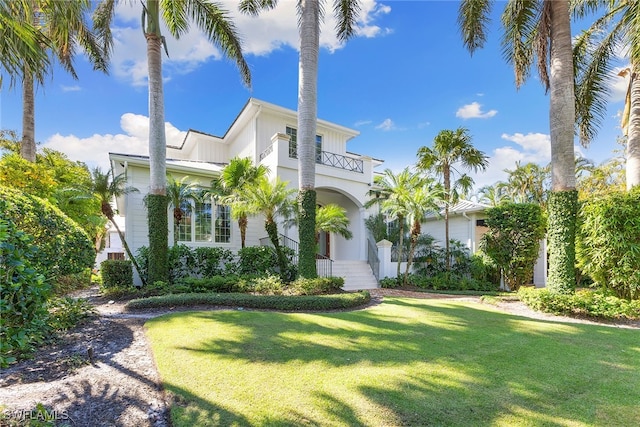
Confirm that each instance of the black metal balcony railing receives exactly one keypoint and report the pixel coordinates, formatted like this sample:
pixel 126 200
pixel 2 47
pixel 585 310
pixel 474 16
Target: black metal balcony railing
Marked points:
pixel 332 159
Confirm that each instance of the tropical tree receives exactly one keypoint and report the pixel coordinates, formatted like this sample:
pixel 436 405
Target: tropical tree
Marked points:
pixel 332 218
pixel 214 21
pixel 493 195
pixel 20 42
pixel 180 193
pixel 64 28
pixel 540 31
pixel 271 199
pixel 452 152
pixel 596 51
pixel 238 173
pixel 420 202
pixel 106 190
pixel 310 13
pixel 394 196
pixel 528 183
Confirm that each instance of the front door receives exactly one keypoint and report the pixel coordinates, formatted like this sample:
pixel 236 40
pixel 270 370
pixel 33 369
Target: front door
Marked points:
pixel 324 244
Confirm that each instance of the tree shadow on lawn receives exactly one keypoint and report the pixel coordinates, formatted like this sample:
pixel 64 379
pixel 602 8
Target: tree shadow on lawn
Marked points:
pixel 447 363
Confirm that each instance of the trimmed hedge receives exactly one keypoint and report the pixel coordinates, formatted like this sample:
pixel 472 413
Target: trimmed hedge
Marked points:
pixel 266 302
pixel 116 274
pixel 63 247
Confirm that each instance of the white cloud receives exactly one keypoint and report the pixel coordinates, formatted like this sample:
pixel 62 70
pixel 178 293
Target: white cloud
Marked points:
pixel 272 30
pixel 618 85
pixel 536 146
pixel 360 123
pixel 386 125
pixel 94 150
pixel 474 111
pixel 74 88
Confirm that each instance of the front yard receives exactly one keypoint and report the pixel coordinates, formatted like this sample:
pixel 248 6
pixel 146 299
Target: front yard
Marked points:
pixel 402 362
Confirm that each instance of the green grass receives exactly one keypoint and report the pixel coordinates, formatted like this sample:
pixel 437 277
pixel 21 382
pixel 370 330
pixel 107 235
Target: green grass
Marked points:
pixel 405 362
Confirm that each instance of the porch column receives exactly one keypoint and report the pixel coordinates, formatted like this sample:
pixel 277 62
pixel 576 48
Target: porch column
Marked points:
pixel 362 232
pixel 384 256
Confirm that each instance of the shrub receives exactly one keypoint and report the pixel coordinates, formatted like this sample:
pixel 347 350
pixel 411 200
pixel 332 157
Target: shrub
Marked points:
pixel 584 302
pixel 267 302
pixel 608 241
pixel 116 274
pixel 212 262
pixel 315 286
pixel 390 282
pixel 23 293
pixel 206 284
pixel 64 248
pixel 65 313
pixel 71 282
pixel 513 240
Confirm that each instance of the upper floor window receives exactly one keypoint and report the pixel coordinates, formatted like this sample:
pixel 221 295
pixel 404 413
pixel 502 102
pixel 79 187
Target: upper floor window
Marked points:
pixel 205 221
pixel 293 144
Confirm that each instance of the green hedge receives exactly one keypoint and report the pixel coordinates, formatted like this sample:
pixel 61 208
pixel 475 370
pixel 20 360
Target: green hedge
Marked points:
pixel 562 208
pixel 23 294
pixel 608 244
pixel 116 274
pixel 63 247
pixel 268 302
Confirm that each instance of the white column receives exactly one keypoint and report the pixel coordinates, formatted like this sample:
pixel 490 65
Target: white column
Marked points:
pixel 384 256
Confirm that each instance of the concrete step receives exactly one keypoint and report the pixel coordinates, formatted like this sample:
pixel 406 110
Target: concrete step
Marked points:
pixel 357 275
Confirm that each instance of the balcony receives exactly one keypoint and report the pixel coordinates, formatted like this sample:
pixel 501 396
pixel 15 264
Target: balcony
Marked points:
pixel 332 159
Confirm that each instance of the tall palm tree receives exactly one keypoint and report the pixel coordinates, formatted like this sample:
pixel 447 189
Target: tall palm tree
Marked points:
pixel 20 43
pixel 238 173
pixel 310 13
pixel 452 150
pixel 180 193
pixel 214 21
pixel 540 31
pixel 420 202
pixel 269 199
pixel 528 183
pixel 106 190
pixel 64 28
pixel 596 51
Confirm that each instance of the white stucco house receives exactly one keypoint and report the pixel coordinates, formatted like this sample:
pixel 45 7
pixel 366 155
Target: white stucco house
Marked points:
pixel 266 133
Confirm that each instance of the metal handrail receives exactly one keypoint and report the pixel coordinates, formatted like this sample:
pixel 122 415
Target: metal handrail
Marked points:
pixel 372 258
pixel 332 159
pixel 324 264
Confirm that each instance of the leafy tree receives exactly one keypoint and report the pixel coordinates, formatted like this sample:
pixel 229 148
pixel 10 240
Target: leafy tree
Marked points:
pixel 269 199
pixel 215 23
pixel 540 31
pixel 64 28
pixel 238 173
pixel 596 51
pixel 332 218
pixel 180 194
pixel 106 189
pixel 310 13
pixel 493 195
pixel 602 180
pixel 528 183
pixel 452 149
pixel 513 240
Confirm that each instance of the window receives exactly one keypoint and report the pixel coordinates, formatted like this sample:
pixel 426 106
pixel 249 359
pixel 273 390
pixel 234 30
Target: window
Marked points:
pixel 293 144
pixel 115 256
pixel 205 222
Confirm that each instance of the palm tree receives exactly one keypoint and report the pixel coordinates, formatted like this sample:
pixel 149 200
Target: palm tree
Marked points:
pixel 216 24
pixel 452 149
pixel 309 15
pixel 20 43
pixel 63 25
pixel 493 195
pixel 596 52
pixel 540 30
pixel 269 199
pixel 392 195
pixel 528 183
pixel 332 218
pixel 238 173
pixel 180 193
pixel 106 190
pixel 420 202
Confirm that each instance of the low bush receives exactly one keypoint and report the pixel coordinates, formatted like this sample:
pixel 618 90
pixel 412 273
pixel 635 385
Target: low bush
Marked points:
pixel 205 284
pixel 451 282
pixel 65 313
pixel 116 274
pixel 71 282
pixel 585 302
pixel 268 302
pixel 390 282
pixel 315 286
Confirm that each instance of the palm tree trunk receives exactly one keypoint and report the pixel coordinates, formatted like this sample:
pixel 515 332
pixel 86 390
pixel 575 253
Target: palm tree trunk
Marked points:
pixel 633 135
pixel 271 228
pixel 446 172
pixel 157 205
pixel 28 144
pixel 415 233
pixel 307 118
pixel 242 224
pixel 562 205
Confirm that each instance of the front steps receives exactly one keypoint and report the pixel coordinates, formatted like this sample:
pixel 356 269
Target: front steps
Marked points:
pixel 357 275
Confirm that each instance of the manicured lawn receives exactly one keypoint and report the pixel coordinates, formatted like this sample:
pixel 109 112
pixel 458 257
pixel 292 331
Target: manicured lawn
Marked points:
pixel 405 362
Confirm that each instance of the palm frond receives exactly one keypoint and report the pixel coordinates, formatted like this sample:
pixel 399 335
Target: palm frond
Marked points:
pixel 473 22
pixel 346 13
pixel 519 21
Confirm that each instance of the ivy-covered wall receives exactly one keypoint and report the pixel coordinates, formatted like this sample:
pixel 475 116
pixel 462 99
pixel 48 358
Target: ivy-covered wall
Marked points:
pixel 562 207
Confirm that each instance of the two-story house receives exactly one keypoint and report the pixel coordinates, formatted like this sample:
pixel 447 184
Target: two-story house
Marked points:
pixel 267 134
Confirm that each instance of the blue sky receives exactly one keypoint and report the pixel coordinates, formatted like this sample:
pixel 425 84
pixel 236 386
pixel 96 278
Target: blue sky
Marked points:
pixel 403 79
